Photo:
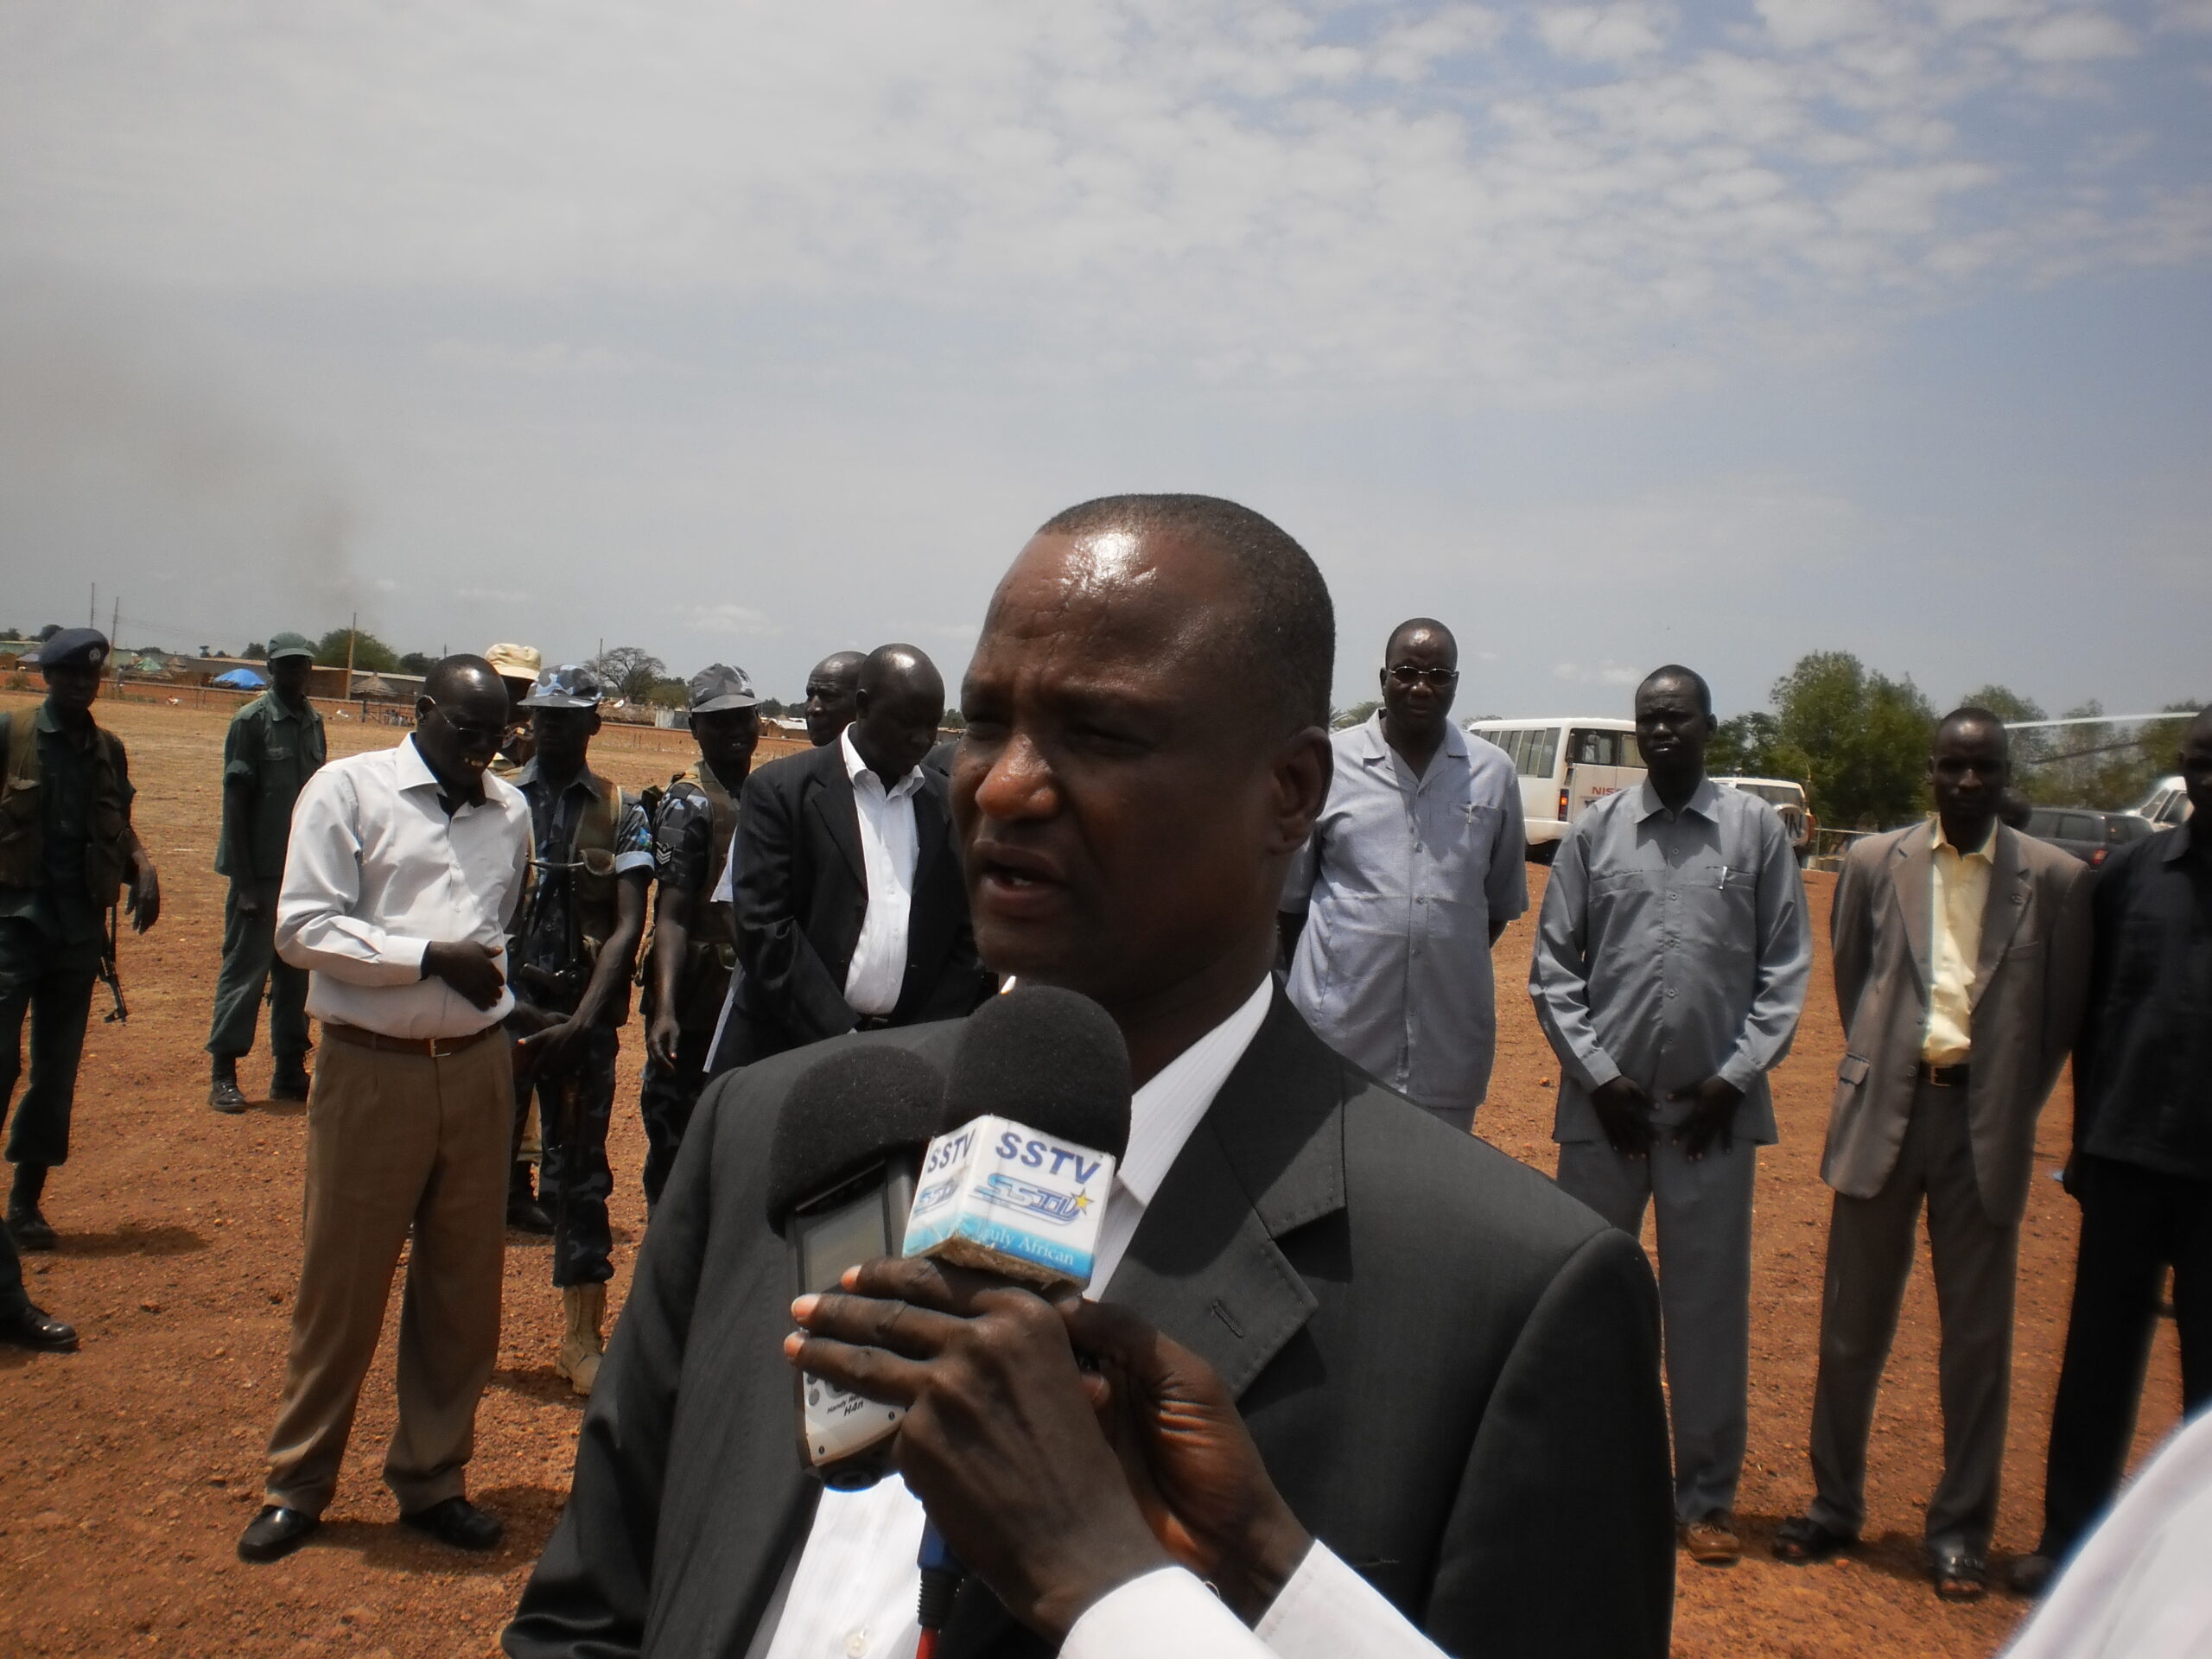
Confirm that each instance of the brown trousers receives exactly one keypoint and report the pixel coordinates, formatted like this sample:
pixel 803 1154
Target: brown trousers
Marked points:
pixel 396 1143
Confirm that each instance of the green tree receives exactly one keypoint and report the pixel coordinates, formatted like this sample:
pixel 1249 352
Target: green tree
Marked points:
pixel 417 662
pixel 1860 739
pixel 629 672
pixel 1359 715
pixel 1744 746
pixel 257 649
pixel 370 654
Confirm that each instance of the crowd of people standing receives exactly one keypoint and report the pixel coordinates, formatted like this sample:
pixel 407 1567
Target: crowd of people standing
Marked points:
pixel 466 914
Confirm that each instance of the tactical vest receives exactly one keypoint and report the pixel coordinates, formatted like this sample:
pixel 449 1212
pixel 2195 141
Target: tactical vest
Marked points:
pixel 22 813
pixel 709 920
pixel 592 882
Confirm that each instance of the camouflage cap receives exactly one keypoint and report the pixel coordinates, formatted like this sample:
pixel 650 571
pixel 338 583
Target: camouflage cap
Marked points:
pixel 717 687
pixel 515 662
pixel 289 645
pixel 569 686
pixel 74 648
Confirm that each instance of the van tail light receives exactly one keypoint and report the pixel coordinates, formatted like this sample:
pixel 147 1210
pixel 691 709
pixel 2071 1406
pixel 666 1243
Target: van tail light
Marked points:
pixel 1562 806
pixel 2097 857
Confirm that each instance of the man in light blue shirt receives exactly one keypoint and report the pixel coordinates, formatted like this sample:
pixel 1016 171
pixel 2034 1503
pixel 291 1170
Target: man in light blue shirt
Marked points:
pixel 1413 871
pixel 1671 963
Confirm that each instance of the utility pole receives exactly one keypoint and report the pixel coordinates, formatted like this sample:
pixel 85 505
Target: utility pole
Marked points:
pixel 92 608
pixel 115 632
pixel 352 638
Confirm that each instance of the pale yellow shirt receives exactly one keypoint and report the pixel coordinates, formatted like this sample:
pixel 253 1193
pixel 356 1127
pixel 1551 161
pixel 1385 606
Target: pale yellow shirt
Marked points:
pixel 1960 890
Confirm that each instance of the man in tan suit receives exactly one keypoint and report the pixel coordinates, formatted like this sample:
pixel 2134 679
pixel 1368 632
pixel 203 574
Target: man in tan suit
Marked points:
pixel 1961 964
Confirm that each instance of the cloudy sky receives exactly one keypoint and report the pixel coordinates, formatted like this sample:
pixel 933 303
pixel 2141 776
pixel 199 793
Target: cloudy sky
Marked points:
pixel 1609 334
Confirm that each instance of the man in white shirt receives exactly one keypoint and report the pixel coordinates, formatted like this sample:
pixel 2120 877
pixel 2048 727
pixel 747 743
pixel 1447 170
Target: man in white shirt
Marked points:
pixel 850 909
pixel 401 880
pixel 1449 1369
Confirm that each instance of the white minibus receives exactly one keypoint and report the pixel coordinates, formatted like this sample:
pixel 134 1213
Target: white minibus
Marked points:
pixel 1565 764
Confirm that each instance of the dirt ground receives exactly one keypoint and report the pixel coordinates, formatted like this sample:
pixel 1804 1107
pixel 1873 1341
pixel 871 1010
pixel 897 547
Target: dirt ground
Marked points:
pixel 127 1470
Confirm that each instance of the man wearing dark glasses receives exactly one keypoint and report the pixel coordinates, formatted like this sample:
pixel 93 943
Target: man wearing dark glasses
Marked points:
pixel 401 880
pixel 1414 870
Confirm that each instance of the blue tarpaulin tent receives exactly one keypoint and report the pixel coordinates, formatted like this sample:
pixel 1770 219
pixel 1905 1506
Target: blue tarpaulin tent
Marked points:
pixel 241 679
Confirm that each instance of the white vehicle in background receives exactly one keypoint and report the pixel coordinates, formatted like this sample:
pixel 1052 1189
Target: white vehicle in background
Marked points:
pixel 1787 799
pixel 2167 805
pixel 1565 762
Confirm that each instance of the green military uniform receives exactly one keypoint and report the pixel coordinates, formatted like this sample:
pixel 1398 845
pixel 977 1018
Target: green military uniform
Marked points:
pixel 272 749
pixel 65 848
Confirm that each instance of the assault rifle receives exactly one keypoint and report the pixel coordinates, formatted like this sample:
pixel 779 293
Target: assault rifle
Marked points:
pixel 109 975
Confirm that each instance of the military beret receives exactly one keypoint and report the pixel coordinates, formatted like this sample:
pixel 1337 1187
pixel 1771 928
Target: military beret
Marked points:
pixel 74 648
pixel 569 686
pixel 717 687
pixel 289 645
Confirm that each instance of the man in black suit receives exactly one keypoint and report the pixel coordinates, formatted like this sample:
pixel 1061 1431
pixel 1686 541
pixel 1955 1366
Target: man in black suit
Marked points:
pixel 1449 1367
pixel 849 909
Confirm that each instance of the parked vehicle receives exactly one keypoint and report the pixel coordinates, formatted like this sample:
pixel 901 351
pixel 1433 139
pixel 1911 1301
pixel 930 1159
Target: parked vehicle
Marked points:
pixel 1787 799
pixel 1565 762
pixel 2090 836
pixel 2166 805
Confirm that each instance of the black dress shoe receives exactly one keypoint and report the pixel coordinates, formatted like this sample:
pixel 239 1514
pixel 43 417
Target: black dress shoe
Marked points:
pixel 29 1228
pixel 2031 1575
pixel 1960 1573
pixel 459 1523
pixel 275 1533
pixel 1801 1538
pixel 33 1328
pixel 225 1096
pixel 291 1081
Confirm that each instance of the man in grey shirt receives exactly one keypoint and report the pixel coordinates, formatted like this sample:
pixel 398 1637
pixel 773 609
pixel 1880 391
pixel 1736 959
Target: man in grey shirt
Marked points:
pixel 1413 871
pixel 1671 963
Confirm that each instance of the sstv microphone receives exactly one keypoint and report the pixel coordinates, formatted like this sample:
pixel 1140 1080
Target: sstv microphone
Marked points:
pixel 840 1180
pixel 1036 1117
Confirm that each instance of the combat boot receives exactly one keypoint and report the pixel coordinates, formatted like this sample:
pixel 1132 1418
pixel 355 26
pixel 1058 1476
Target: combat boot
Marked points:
pixel 581 1345
pixel 290 1081
pixel 24 1221
pixel 525 1213
pixel 222 1091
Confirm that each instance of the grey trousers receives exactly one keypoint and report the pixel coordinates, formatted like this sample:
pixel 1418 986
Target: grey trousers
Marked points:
pixel 250 961
pixel 1704 1216
pixel 1870 1257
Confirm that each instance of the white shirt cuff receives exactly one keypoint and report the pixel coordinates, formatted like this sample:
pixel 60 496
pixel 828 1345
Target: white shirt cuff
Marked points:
pixel 1166 1614
pixel 1328 1612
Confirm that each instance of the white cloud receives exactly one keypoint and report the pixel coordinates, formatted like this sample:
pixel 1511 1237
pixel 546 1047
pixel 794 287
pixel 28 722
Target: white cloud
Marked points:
pixel 728 618
pixel 2075 37
pixel 1610 33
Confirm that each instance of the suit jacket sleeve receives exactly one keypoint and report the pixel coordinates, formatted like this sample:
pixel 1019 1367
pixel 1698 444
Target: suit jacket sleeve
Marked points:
pixel 1568 1468
pixel 785 977
pixel 589 1595
pixel 1851 935
pixel 2066 987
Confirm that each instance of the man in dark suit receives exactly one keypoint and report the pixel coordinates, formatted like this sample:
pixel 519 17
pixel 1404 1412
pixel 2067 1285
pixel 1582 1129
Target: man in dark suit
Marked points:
pixel 1449 1367
pixel 1961 965
pixel 849 909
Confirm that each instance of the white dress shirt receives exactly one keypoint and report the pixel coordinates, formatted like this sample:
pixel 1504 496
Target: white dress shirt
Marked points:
pixel 852 1594
pixel 888 851
pixel 377 871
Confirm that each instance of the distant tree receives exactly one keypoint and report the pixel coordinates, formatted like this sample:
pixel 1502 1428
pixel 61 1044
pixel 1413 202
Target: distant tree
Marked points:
pixel 9 634
pixel 773 708
pixel 417 662
pixel 954 721
pixel 48 632
pixel 1860 739
pixel 370 654
pixel 629 672
pixel 257 649
pixel 1745 747
pixel 1359 715
pixel 669 693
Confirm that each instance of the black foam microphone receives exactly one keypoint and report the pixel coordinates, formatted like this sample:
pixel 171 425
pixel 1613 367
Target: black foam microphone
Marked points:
pixel 840 1181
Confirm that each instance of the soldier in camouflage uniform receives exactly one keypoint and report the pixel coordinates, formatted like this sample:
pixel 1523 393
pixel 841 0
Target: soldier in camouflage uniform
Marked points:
pixel 695 946
pixel 574 944
pixel 67 852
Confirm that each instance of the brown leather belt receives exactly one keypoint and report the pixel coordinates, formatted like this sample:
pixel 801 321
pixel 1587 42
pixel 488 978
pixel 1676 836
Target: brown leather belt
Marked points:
pixel 1942 1076
pixel 434 1048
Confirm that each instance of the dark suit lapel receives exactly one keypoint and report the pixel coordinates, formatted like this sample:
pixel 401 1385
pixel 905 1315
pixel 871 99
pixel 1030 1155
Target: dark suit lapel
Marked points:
pixel 832 802
pixel 2010 886
pixel 1913 877
pixel 1267 1158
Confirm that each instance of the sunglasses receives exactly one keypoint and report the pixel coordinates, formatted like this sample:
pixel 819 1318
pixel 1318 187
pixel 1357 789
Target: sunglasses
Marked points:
pixel 1438 678
pixel 472 735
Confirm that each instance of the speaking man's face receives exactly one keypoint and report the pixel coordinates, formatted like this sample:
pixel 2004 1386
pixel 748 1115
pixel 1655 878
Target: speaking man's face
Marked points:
pixel 1118 814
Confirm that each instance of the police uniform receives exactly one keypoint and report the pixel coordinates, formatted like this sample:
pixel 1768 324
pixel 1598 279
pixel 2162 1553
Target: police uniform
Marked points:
pixel 270 750
pixel 692 832
pixel 65 845
pixel 584 839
